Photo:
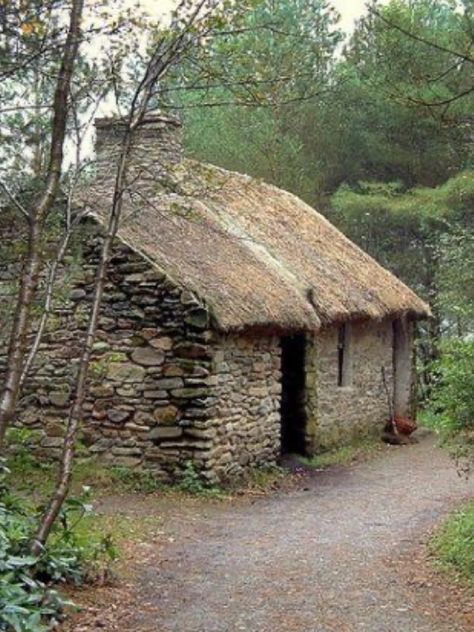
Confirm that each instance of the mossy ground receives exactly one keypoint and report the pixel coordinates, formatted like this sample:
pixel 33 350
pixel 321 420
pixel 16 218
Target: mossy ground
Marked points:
pixel 356 451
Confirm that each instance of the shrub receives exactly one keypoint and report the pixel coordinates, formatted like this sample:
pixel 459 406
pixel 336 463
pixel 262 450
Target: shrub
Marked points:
pixel 142 481
pixel 453 396
pixel 192 483
pixel 451 408
pixel 28 600
pixel 453 543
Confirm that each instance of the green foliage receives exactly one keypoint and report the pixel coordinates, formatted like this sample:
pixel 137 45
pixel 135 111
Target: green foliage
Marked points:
pixel 345 455
pixel 425 235
pixel 192 483
pixel 455 279
pixel 453 398
pixel 292 48
pixel 142 481
pixel 265 476
pixel 396 81
pixel 367 114
pixel 28 600
pixel 453 543
pixel 450 410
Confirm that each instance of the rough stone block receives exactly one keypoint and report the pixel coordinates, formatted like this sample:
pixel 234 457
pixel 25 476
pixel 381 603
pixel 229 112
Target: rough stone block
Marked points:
pixel 125 372
pixel 165 343
pixel 147 356
pixel 59 398
pixel 166 415
pixel 189 393
pixel 118 416
pixel 101 391
pixel 165 432
pixel 169 383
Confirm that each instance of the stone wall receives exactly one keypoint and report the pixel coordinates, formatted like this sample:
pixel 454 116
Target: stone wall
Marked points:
pixel 338 414
pixel 246 417
pixel 164 388
pixel 10 269
pixel 150 374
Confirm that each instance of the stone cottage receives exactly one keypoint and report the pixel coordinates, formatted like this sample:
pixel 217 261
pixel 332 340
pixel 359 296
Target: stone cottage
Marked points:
pixel 237 324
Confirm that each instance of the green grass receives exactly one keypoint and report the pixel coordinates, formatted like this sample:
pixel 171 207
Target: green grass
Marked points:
pixel 453 543
pixel 37 477
pixel 345 455
pixel 98 538
pixel 265 477
pixel 428 419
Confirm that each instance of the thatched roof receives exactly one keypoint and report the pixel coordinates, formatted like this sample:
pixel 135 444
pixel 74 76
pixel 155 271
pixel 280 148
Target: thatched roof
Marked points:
pixel 257 255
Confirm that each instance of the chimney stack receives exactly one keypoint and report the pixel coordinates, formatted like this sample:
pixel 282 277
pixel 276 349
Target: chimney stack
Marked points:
pixel 156 145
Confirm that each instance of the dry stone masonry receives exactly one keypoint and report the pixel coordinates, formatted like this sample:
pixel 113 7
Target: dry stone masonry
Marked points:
pixel 247 410
pixel 164 388
pixel 339 414
pixel 167 388
pixel 167 385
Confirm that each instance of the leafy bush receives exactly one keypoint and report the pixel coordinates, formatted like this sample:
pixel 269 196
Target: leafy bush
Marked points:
pixel 451 406
pixel 453 397
pixel 192 483
pixel 28 601
pixel 453 544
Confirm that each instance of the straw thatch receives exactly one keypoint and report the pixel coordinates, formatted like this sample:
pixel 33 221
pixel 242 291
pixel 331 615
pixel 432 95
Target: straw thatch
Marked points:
pixel 258 256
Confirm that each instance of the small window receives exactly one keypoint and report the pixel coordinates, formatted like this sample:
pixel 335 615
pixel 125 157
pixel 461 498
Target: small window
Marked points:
pixel 344 356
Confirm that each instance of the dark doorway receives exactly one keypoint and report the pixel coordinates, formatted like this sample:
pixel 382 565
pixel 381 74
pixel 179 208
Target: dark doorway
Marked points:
pixel 293 414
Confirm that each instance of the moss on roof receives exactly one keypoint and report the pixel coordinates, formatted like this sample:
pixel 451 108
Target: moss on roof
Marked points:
pixel 258 255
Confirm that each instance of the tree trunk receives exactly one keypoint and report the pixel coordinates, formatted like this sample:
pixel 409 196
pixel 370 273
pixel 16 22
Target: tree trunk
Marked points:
pixel 29 279
pixel 161 60
pixel 67 459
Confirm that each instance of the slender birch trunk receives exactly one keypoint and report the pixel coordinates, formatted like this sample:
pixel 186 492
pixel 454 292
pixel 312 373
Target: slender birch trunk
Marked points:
pixel 48 304
pixel 74 418
pixel 164 56
pixel 31 269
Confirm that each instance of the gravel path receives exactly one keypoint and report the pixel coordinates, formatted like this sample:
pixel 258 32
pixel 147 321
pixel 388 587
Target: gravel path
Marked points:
pixel 339 555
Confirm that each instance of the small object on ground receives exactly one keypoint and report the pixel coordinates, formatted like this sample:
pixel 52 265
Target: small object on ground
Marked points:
pixel 404 425
pixel 398 431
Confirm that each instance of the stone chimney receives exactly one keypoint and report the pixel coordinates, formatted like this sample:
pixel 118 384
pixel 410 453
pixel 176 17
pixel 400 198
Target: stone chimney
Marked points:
pixel 156 145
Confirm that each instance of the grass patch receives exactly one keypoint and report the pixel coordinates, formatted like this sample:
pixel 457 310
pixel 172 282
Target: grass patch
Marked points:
pixel 429 419
pixel 103 534
pixel 266 477
pixel 32 476
pixel 453 544
pixel 98 537
pixel 191 482
pixel 345 455
pixel 36 479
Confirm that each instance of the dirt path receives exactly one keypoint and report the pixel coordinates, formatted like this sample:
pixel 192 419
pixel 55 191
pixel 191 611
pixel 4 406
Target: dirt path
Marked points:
pixel 341 554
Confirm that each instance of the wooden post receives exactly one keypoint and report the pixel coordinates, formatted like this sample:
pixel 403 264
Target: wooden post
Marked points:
pixel 402 366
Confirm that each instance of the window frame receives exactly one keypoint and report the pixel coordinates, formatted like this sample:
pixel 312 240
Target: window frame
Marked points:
pixel 344 356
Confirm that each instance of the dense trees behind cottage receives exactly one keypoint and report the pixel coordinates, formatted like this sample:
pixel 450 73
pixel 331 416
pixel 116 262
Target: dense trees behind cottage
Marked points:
pixel 383 147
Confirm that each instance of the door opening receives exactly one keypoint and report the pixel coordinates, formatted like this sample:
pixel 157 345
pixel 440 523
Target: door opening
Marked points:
pixel 293 413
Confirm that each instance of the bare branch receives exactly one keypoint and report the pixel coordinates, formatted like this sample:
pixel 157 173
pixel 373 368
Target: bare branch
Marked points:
pixel 29 279
pixel 14 200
